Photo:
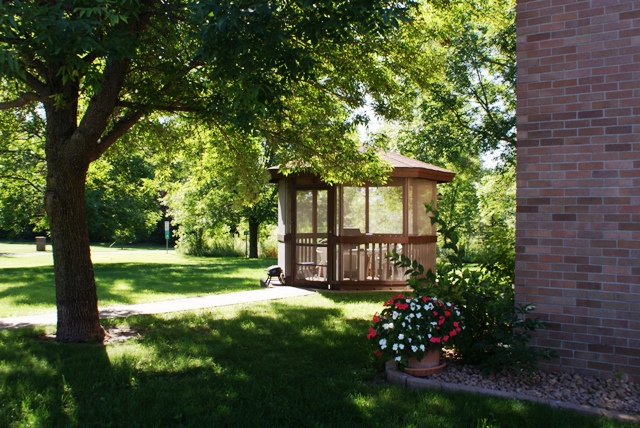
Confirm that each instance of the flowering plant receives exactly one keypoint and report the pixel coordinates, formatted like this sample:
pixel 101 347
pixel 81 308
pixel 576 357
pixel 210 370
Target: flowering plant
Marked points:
pixel 409 326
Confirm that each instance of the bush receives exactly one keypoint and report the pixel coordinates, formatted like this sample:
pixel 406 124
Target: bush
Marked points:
pixel 198 243
pixel 497 331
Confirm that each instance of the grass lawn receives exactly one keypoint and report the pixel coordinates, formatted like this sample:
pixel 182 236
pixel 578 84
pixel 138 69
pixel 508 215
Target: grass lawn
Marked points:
pixel 300 362
pixel 123 276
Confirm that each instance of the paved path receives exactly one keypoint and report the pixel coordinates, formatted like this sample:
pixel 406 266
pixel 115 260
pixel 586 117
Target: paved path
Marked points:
pixel 208 301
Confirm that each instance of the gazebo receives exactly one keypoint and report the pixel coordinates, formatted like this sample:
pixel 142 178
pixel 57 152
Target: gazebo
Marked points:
pixel 336 237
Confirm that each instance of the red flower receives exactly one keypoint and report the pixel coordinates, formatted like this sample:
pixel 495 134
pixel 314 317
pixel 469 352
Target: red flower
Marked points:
pixel 447 313
pixel 452 333
pixel 372 333
pixel 402 306
pixel 377 353
pixel 434 339
pixel 393 299
pixel 376 318
pixel 455 323
pixel 424 299
pixel 445 338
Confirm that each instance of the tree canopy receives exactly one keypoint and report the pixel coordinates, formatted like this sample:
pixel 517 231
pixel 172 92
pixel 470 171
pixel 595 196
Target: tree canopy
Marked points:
pixel 287 74
pixel 201 96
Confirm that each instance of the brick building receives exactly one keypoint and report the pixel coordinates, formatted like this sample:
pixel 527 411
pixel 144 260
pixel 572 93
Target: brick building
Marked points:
pixel 578 214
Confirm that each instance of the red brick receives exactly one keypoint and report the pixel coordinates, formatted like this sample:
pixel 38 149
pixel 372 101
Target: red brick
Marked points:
pixel 579 117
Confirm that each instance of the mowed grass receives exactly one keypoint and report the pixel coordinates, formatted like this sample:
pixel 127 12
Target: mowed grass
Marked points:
pixel 123 276
pixel 300 362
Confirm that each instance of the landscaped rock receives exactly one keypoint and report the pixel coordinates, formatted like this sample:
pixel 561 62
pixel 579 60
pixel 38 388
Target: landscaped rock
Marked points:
pixel 611 394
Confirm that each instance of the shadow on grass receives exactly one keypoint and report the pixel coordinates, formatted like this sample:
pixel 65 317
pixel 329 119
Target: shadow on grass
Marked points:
pixel 126 283
pixel 272 364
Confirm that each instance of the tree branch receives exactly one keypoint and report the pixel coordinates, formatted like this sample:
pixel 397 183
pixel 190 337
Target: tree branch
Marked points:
pixel 168 108
pixel 24 99
pixel 25 180
pixel 124 124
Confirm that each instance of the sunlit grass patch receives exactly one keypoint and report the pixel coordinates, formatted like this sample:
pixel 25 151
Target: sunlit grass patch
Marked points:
pixel 123 276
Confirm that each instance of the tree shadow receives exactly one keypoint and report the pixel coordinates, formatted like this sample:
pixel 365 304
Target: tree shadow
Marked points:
pixel 264 364
pixel 46 381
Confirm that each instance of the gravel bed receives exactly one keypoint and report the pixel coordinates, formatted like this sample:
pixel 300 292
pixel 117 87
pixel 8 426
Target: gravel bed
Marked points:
pixel 615 395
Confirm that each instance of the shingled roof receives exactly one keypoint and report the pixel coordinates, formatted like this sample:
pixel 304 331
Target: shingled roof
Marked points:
pixel 402 167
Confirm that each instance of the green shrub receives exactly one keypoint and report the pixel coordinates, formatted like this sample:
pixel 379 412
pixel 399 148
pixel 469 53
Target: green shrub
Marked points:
pixel 197 242
pixel 497 331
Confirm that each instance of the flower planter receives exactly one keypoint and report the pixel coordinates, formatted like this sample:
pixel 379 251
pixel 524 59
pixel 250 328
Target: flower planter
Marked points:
pixel 428 365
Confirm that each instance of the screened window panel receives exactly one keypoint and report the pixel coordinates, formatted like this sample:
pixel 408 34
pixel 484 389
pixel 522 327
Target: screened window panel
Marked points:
pixel 385 210
pixel 420 192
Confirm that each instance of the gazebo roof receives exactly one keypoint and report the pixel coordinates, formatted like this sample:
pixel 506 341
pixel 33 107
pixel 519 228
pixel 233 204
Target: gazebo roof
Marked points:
pixel 408 167
pixel 402 167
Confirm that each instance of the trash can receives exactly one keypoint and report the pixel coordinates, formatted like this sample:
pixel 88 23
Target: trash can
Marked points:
pixel 41 243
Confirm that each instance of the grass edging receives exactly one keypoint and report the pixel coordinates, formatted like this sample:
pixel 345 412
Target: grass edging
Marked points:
pixel 398 377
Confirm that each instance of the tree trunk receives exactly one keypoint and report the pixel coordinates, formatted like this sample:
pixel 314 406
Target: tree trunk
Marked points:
pixel 76 296
pixel 254 227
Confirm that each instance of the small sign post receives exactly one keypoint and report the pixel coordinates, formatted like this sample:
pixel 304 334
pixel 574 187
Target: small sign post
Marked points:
pixel 167 232
pixel 246 246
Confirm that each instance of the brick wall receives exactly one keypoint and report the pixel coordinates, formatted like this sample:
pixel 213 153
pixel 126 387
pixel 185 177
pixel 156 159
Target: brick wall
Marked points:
pixel 578 214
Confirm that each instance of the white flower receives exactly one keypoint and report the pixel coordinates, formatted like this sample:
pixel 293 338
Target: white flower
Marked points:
pixel 403 324
pixel 398 358
pixel 387 326
pixel 434 323
pixel 419 315
pixel 395 315
pixel 401 336
pixel 409 339
pixel 449 304
pixel 401 346
pixel 383 343
pixel 414 348
pixel 395 347
pixel 422 348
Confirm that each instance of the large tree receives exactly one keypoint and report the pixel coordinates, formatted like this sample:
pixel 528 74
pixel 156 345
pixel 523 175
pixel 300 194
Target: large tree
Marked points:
pixel 457 62
pixel 96 67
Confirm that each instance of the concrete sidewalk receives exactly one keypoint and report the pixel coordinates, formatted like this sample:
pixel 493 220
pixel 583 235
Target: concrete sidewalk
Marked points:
pixel 190 303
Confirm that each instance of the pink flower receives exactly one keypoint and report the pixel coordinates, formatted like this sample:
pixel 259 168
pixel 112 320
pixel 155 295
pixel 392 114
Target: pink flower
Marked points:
pixel 455 323
pixel 445 338
pixel 447 313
